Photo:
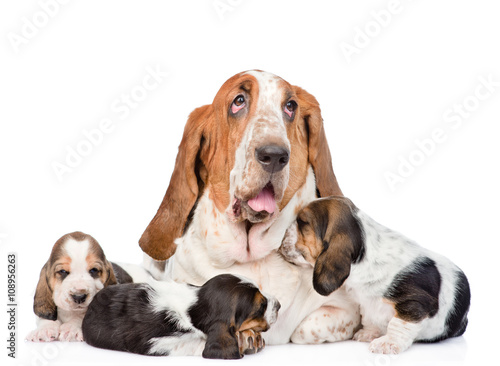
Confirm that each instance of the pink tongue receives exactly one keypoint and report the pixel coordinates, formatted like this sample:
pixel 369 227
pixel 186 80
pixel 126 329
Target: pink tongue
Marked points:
pixel 264 201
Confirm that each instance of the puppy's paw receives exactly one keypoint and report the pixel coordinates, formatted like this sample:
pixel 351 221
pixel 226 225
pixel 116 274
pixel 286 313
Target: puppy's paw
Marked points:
pixel 366 335
pixel 388 345
pixel 45 333
pixel 250 342
pixel 288 248
pixel 70 333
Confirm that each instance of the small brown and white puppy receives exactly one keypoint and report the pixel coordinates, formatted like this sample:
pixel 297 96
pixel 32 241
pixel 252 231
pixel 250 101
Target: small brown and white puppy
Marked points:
pixel 76 270
pixel 406 293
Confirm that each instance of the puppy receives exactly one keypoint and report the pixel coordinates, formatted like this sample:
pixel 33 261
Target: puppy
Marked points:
pixel 406 293
pixel 76 270
pixel 221 319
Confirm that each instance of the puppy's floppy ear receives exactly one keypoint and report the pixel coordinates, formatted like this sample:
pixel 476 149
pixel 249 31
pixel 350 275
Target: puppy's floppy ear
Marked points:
pixel 221 342
pixel 111 278
pixel 170 221
pixel 44 305
pixel 343 245
pixel 121 276
pixel 319 152
pixel 333 265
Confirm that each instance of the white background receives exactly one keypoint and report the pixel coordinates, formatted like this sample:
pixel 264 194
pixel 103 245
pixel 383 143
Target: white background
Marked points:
pixel 398 88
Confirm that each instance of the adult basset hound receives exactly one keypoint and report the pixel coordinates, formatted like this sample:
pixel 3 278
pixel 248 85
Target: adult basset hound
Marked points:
pixel 246 165
pixel 75 271
pixel 406 292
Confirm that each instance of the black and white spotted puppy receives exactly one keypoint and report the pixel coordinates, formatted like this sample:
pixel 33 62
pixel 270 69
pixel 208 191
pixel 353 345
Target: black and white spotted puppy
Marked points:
pixel 406 293
pixel 221 319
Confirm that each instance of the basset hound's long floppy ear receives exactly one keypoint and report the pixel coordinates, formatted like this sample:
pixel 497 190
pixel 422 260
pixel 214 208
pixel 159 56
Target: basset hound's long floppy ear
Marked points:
pixel 170 221
pixel 222 342
pixel 121 276
pixel 343 245
pixel 333 265
pixel 110 273
pixel 319 152
pixel 44 305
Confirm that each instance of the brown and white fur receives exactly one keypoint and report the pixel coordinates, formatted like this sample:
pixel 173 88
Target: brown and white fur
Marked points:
pixel 406 293
pixel 75 271
pixel 247 163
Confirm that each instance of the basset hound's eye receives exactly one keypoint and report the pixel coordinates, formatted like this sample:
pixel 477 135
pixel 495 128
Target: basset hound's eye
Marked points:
pixel 94 272
pixel 290 108
pixel 63 273
pixel 301 223
pixel 263 307
pixel 238 103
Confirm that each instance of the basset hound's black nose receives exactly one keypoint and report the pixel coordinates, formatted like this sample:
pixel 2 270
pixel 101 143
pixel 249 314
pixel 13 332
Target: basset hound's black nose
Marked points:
pixel 273 158
pixel 79 298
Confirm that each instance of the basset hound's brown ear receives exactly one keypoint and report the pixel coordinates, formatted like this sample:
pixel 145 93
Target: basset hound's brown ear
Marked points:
pixel 185 187
pixel 319 152
pixel 110 274
pixel 222 342
pixel 343 245
pixel 44 305
pixel 333 265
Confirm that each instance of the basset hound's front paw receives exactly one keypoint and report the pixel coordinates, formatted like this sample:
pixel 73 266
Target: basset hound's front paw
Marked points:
pixel 389 345
pixel 288 248
pixel 45 333
pixel 250 342
pixel 70 333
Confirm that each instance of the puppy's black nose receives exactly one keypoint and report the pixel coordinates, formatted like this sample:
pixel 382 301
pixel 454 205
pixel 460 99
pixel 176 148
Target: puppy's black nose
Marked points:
pixel 273 158
pixel 79 299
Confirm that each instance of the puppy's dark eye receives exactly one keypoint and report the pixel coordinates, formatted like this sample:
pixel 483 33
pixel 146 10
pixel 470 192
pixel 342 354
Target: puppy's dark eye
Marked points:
pixel 94 272
pixel 238 103
pixel 263 307
pixel 290 108
pixel 63 273
pixel 301 223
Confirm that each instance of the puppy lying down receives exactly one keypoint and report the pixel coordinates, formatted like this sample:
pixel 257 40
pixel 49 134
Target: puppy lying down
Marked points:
pixel 406 293
pixel 221 319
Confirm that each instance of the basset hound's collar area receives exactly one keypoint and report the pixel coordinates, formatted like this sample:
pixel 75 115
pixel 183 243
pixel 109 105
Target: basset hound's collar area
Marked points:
pixel 222 319
pixel 74 273
pixel 249 152
pixel 406 293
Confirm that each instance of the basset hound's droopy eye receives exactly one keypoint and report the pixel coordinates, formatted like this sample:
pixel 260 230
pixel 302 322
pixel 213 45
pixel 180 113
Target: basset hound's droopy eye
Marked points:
pixel 290 108
pixel 301 223
pixel 63 273
pixel 238 103
pixel 263 307
pixel 94 272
